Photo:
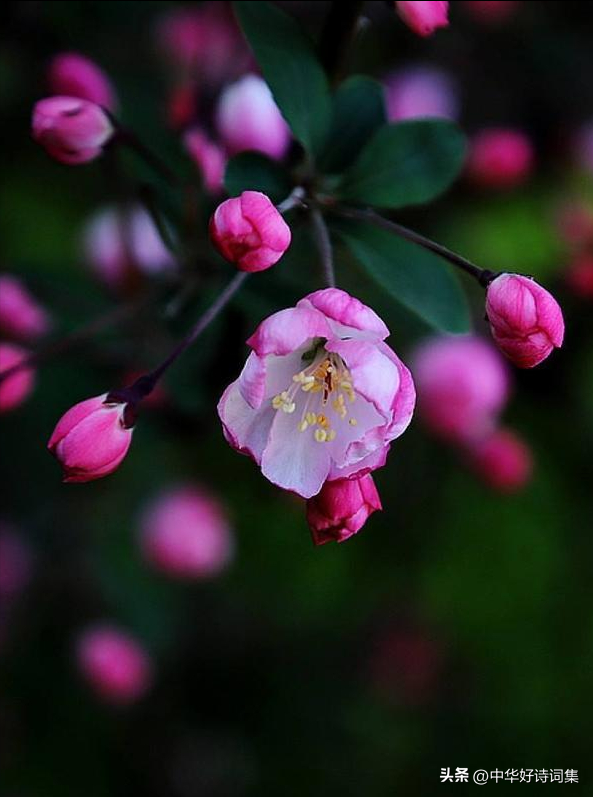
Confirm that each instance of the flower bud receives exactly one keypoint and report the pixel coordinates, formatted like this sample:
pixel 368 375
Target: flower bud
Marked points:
pixel 248 231
pixel 114 664
pixel 423 16
pixel 185 534
pixel 14 389
pixel 503 461
pixel 73 75
pixel 247 118
pixel 421 91
pixel 21 316
pixel 526 321
pixel 500 158
pixel 462 385
pixel 91 439
pixel 71 130
pixel 208 157
pixel 341 509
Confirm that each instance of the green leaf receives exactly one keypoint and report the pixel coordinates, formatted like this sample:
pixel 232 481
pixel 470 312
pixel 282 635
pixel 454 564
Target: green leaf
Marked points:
pixel 359 109
pixel 419 280
pixel 408 163
pixel 252 171
pixel 289 65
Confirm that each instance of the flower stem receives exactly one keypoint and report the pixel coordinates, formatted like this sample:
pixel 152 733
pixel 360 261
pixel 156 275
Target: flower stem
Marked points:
pixel 482 275
pixel 324 245
pixel 338 31
pixel 156 163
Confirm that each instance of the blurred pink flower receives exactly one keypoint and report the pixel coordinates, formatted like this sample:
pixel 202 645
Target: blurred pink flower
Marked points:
pixel 492 11
pixel 21 315
pixel 579 275
pixel 342 508
pixel 182 104
pixel 500 158
pixel 574 222
pixel 16 388
pixel 420 91
pixel 423 16
pixel 15 562
pixel 503 461
pixel 74 75
pixel 71 130
pixel 208 157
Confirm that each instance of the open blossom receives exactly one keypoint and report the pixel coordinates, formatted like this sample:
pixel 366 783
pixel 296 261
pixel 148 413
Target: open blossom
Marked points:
pixel 247 118
pixel 420 91
pixel 14 389
pixel 207 156
pixel 74 75
pixel 114 664
pixel 342 508
pixel 500 158
pixel 248 231
pixel 526 321
pixel 185 533
pixel 21 315
pixel 423 16
pixel 321 395
pixel 72 130
pixel 91 439
pixel 503 461
pixel 462 387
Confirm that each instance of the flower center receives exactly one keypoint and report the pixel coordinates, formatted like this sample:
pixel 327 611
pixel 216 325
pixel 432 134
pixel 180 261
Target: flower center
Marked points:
pixel 328 385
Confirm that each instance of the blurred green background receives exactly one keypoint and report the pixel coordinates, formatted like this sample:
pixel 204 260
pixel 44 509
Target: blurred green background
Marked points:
pixel 455 630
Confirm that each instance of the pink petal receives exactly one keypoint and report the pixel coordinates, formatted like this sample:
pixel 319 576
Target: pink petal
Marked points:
pixel 340 306
pixel 288 330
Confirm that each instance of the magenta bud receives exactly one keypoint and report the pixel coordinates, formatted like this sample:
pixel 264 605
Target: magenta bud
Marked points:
pixel 248 231
pixel 71 130
pixel 503 461
pixel 74 75
pixel 526 321
pixel 423 16
pixel 21 316
pixel 185 533
pixel 114 664
pixel 91 439
pixel 342 508
pixel 500 158
pixel 14 389
pixel 208 157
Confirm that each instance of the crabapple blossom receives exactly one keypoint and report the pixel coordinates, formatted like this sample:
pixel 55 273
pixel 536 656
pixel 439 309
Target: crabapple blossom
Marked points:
pixel 249 231
pixel 341 509
pixel 462 386
pixel 91 439
pixel 114 664
pixel 247 118
pixel 423 16
pixel 500 158
pixel 185 533
pixel 207 156
pixel 526 321
pixel 74 75
pixel 14 389
pixel 419 91
pixel 503 461
pixel 71 130
pixel 321 396
pixel 21 315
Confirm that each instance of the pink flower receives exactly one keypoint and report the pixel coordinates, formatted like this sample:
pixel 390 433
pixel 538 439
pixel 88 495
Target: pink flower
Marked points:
pixel 423 16
pixel 185 534
pixel 21 316
pixel 119 245
pixel 500 158
pixel 579 276
pixel 503 461
pixel 492 11
pixel 462 387
pixel 207 156
pixel 526 321
pixel 341 509
pixel 321 395
pixel 91 439
pixel 14 389
pixel 249 232
pixel 114 664
pixel 421 91
pixel 247 118
pixel 72 131
pixel 74 75
pixel 15 563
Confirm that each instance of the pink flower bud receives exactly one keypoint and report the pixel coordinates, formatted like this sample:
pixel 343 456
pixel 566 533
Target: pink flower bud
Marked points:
pixel 72 130
pixel 15 563
pixel 114 664
pixel 526 321
pixel 423 16
pixel 185 534
pixel 579 276
pixel 500 158
pixel 208 157
pixel 341 509
pixel 21 316
pixel 492 12
pixel 14 389
pixel 91 439
pixel 247 118
pixel 73 75
pixel 503 461
pixel 462 386
pixel 248 231
pixel 421 91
